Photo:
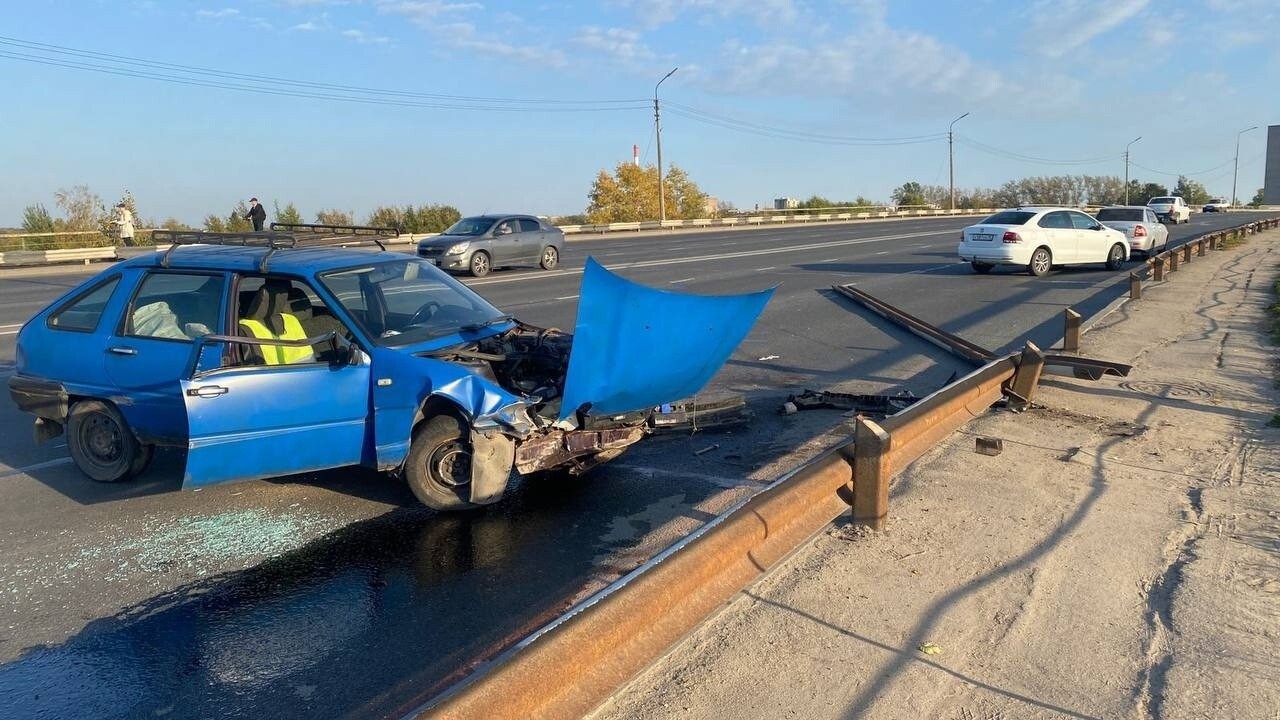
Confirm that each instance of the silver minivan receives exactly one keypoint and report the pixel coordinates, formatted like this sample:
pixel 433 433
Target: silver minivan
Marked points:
pixel 479 244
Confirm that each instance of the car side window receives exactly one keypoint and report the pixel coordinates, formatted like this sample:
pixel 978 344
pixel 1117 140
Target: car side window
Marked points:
pixel 84 313
pixel 1082 221
pixel 289 309
pixel 1151 217
pixel 529 225
pixel 175 306
pixel 1055 221
pixel 507 228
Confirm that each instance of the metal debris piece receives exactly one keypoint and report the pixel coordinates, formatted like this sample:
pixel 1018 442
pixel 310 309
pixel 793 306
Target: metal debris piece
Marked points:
pixel 989 446
pixel 881 405
pixel 706 449
pixel 770 357
pixel 701 413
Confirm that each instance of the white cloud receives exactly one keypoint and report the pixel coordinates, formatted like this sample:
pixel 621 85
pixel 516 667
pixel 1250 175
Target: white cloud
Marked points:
pixel 365 38
pixel 620 45
pixel 307 26
pixel 425 13
pixel 221 13
pixel 653 13
pixel 1059 26
pixel 446 22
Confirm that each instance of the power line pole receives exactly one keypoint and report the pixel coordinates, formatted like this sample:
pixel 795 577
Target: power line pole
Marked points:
pixel 657 131
pixel 1126 168
pixel 951 157
pixel 1235 174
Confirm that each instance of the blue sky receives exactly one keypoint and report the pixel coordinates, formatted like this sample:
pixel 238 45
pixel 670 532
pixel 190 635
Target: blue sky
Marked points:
pixel 1062 80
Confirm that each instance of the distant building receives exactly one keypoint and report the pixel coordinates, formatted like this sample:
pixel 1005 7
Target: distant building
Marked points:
pixel 1271 181
pixel 785 203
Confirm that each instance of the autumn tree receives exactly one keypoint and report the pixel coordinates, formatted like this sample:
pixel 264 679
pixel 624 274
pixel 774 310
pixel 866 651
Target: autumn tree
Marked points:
pixel 334 217
pixel 630 194
pixel 83 209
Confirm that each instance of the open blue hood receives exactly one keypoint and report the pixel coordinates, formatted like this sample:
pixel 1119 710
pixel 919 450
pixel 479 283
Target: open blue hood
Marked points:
pixel 636 347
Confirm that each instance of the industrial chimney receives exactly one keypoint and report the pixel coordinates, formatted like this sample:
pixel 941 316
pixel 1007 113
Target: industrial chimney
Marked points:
pixel 635 155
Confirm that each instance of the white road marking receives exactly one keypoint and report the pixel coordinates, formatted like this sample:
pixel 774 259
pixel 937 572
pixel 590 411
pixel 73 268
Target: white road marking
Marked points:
pixel 37 466
pixel 8 332
pixel 930 269
pixel 674 282
pixel 567 297
pixel 883 252
pixel 771 267
pixel 11 325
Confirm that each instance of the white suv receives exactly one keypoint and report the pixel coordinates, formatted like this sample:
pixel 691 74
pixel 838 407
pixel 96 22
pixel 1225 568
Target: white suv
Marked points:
pixel 1171 208
pixel 1037 238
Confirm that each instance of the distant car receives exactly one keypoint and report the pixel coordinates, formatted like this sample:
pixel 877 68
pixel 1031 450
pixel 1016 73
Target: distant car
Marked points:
pixel 1170 208
pixel 484 242
pixel 1139 223
pixel 1215 206
pixel 263 359
pixel 1038 238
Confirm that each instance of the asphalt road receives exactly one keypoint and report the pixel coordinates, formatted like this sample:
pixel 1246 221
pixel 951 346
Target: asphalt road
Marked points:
pixel 335 594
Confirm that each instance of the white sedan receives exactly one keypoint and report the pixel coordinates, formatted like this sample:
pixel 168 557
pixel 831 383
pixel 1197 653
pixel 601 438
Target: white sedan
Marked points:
pixel 1038 238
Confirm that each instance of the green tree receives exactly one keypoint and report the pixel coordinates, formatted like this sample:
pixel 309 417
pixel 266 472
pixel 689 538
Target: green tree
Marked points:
pixel 214 223
pixel 1191 191
pixel 1258 198
pixel 435 218
pixel 173 223
pixel 36 219
pixel 288 215
pixel 386 216
pixel 334 217
pixel 83 209
pixel 630 194
pixel 909 193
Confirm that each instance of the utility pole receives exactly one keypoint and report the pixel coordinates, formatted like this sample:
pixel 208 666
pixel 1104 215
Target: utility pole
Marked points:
pixel 1235 174
pixel 951 157
pixel 1126 168
pixel 657 131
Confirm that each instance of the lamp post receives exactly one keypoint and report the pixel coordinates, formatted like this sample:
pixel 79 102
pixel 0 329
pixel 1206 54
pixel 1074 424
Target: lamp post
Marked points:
pixel 657 130
pixel 1126 168
pixel 951 158
pixel 1236 172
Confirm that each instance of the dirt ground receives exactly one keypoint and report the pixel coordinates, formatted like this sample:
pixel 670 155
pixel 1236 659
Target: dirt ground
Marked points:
pixel 1120 558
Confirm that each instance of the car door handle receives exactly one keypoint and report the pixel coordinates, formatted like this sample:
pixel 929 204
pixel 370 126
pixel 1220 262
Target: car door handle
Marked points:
pixel 122 350
pixel 207 391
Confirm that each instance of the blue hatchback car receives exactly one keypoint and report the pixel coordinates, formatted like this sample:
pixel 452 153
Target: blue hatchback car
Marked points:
pixel 262 357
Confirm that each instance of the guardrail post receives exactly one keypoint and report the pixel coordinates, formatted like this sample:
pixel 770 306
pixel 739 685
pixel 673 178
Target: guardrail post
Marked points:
pixel 1186 252
pixel 1173 261
pixel 1200 247
pixel 1071 333
pixel 1026 377
pixel 1157 269
pixel 1135 286
pixel 870 474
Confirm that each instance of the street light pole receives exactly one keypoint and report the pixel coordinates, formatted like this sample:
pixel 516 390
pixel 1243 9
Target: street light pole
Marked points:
pixel 951 158
pixel 657 131
pixel 1126 168
pixel 1235 174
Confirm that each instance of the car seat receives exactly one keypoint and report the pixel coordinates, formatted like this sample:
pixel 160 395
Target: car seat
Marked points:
pixel 270 317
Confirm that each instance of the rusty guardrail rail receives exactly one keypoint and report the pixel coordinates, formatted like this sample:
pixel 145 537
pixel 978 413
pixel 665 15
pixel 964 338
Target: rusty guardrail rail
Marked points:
pixel 569 666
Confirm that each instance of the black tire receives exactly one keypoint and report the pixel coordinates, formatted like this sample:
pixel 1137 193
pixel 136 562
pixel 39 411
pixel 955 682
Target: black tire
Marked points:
pixel 438 468
pixel 1115 257
pixel 480 264
pixel 101 443
pixel 550 258
pixel 1041 262
pixel 980 267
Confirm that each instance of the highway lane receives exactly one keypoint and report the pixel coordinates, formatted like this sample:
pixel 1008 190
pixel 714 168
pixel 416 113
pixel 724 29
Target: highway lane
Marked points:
pixel 365 590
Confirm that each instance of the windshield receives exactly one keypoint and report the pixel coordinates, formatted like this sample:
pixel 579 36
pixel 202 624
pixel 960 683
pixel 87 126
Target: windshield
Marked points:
pixel 402 302
pixel 1160 201
pixel 1009 217
pixel 470 226
pixel 1120 215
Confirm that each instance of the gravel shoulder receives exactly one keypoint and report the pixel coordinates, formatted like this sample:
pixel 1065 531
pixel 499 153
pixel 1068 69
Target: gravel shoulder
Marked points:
pixel 1120 558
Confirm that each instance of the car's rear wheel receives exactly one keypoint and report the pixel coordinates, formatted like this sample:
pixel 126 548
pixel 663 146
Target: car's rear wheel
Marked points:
pixel 1115 257
pixel 438 468
pixel 101 443
pixel 1041 261
pixel 480 264
pixel 550 258
pixel 980 267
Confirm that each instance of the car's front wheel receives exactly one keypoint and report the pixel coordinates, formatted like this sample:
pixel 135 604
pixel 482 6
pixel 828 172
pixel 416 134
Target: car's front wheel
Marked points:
pixel 1115 257
pixel 1041 261
pixel 550 258
pixel 438 468
pixel 101 443
pixel 980 267
pixel 480 264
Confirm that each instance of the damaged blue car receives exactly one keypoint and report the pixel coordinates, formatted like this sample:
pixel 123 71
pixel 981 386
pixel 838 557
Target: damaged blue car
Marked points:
pixel 262 355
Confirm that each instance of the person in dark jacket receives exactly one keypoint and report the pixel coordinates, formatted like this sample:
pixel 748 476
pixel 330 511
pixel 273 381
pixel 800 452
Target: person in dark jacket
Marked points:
pixel 257 214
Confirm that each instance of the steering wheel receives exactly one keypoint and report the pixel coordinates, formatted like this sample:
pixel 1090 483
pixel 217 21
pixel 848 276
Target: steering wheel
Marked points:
pixel 424 313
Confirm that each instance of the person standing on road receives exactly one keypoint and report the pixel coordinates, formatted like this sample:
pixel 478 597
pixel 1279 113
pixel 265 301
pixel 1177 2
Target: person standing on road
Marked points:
pixel 257 214
pixel 124 222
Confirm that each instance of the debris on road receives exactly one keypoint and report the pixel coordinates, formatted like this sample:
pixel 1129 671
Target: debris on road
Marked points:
pixel 988 446
pixel 930 649
pixel 881 405
pixel 706 449
pixel 700 414
pixel 770 357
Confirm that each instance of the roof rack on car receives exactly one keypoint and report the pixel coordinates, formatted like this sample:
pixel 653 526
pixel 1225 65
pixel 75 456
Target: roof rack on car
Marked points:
pixel 358 232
